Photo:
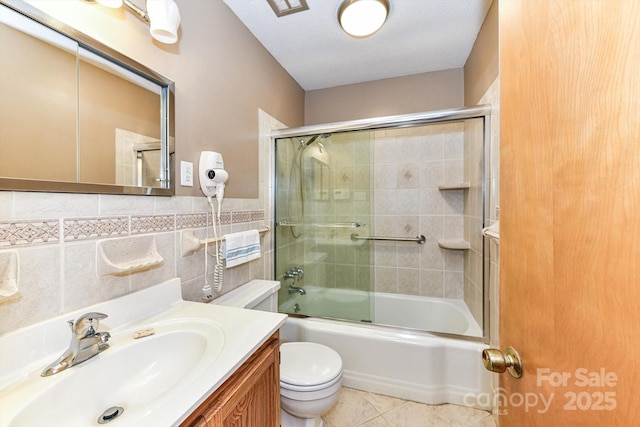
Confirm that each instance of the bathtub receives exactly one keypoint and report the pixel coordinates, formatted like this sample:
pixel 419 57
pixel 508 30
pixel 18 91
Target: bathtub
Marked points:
pixel 406 311
pixel 398 362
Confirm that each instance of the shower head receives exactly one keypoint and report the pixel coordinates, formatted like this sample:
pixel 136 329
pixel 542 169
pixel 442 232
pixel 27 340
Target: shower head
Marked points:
pixel 311 140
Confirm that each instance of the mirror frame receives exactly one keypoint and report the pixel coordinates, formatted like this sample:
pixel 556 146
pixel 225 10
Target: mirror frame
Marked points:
pixel 167 121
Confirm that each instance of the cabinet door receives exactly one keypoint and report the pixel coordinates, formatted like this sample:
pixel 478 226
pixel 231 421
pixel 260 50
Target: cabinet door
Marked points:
pixel 250 398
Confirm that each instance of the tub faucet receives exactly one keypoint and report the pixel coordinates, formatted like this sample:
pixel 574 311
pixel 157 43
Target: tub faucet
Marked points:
pixel 85 343
pixel 295 273
pixel 293 289
pixel 298 272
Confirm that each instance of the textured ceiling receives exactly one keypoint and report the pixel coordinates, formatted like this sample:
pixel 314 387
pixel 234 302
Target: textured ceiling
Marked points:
pixel 419 36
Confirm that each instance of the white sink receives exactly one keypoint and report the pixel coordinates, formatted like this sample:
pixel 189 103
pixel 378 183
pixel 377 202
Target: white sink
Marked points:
pixel 156 380
pixel 131 374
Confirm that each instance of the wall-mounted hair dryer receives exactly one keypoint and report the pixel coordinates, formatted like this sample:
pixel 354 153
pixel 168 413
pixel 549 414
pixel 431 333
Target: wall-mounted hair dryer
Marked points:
pixel 212 174
pixel 212 179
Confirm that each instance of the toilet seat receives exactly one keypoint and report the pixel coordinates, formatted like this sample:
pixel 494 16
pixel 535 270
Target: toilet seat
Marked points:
pixel 307 366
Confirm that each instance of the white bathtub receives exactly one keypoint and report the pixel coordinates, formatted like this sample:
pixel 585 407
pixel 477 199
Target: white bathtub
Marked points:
pixel 398 362
pixel 407 311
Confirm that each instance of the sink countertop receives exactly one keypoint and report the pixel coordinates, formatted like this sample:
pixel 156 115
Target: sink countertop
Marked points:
pixel 34 347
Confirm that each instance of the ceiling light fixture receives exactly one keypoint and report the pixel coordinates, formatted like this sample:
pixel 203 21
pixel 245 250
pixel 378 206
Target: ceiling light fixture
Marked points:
pixel 362 18
pixel 162 16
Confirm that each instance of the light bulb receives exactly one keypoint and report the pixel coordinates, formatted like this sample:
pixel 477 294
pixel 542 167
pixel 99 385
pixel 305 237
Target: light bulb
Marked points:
pixel 361 18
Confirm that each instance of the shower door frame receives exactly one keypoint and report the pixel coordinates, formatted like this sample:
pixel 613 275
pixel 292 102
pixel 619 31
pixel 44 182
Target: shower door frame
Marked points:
pixel 482 112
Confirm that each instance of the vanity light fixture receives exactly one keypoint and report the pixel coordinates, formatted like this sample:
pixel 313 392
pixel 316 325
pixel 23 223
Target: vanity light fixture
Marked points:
pixel 362 18
pixel 162 16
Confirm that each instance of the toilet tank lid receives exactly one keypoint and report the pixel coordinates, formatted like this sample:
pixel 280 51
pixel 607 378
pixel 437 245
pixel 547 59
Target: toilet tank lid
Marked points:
pixel 249 295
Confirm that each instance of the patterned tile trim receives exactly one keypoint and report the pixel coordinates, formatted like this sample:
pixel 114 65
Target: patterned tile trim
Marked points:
pixel 92 228
pixel 257 215
pixel 184 221
pixel 152 223
pixel 29 232
pixel 40 231
pixel 241 216
pixel 226 218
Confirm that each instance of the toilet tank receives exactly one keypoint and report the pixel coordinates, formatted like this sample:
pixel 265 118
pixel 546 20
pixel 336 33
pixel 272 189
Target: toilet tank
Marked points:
pixel 256 294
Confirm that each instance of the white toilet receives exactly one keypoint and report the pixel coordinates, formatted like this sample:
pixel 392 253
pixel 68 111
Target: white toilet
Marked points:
pixel 310 373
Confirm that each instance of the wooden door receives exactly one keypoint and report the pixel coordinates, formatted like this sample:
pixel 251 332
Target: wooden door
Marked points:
pixel 570 211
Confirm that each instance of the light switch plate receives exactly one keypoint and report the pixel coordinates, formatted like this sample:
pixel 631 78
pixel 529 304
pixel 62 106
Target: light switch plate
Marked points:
pixel 186 174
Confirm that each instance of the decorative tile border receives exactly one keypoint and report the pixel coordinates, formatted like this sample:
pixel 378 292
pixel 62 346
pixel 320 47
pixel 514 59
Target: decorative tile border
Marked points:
pixel 92 228
pixel 152 223
pixel 241 216
pixel 257 215
pixel 15 233
pixel 226 218
pixel 185 221
pixel 29 232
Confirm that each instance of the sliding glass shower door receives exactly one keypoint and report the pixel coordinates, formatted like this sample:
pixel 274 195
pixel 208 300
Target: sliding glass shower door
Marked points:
pixel 384 225
pixel 323 185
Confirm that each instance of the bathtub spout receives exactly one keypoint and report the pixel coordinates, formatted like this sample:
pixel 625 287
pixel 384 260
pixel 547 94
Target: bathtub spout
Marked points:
pixel 293 289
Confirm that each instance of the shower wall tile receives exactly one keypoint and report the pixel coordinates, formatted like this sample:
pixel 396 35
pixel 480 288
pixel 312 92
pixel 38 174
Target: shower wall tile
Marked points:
pixel 432 283
pixel 430 202
pixel 454 284
pixel 386 279
pixel 406 202
pixel 432 226
pixel 431 174
pixel 408 175
pixel 407 226
pixel 409 281
pixel 409 165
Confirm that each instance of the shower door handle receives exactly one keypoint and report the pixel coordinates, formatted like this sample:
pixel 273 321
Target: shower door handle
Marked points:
pixel 495 361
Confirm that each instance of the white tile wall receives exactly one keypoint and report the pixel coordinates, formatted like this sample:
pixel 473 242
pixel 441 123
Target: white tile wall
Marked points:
pixel 409 165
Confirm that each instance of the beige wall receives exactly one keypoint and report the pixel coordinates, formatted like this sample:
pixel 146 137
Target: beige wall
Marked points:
pixel 481 68
pixel 48 150
pixel 219 85
pixel 401 95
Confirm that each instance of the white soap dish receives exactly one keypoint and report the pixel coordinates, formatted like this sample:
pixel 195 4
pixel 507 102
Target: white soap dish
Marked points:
pixel 123 256
pixel 9 271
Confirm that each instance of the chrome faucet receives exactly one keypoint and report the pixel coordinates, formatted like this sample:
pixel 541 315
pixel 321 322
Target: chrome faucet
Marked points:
pixel 296 274
pixel 85 343
pixel 290 275
pixel 293 289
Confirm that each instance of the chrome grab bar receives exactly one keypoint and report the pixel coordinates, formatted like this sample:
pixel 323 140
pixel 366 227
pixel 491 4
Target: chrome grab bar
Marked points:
pixel 420 239
pixel 321 225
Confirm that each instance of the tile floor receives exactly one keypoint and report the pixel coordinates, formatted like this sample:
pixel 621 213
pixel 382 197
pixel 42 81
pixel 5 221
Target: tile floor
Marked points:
pixel 357 408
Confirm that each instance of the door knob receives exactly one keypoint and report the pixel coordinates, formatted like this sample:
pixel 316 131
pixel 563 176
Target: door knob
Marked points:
pixel 495 361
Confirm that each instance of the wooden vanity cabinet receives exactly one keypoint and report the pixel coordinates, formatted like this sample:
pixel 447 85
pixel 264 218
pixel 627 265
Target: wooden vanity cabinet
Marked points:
pixel 249 398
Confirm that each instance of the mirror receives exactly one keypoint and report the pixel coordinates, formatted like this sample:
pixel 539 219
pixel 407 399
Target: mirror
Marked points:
pixel 76 116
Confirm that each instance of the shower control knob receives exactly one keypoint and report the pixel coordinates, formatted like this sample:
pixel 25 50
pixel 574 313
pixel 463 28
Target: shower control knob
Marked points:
pixel 495 361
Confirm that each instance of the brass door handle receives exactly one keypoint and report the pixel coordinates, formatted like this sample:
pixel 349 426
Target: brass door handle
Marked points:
pixel 495 361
